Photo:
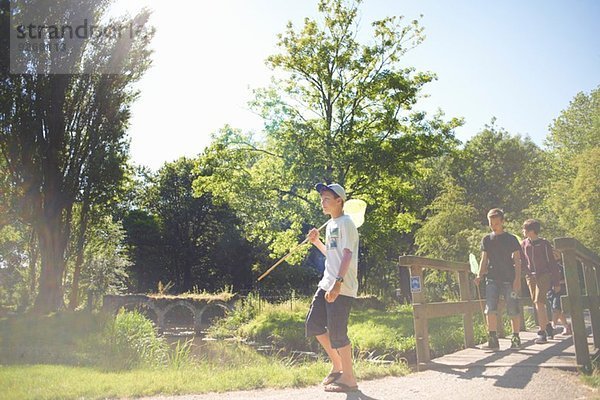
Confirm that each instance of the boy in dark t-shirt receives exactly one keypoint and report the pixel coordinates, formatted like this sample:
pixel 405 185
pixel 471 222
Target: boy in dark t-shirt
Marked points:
pixel 501 265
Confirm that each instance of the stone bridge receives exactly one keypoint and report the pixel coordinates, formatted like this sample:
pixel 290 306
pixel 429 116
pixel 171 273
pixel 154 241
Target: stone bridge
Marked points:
pixel 161 306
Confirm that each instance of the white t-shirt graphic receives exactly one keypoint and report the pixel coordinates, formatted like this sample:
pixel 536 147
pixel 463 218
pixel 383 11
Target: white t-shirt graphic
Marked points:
pixel 341 234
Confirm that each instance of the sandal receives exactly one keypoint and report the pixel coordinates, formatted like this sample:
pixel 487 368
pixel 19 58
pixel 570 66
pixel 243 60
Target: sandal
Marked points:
pixel 332 377
pixel 338 387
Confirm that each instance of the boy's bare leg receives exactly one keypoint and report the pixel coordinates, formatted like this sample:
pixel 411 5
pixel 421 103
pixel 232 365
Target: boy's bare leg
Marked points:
pixel 334 356
pixel 556 317
pixel 559 316
pixel 492 320
pixel 515 323
pixel 542 315
pixel 347 377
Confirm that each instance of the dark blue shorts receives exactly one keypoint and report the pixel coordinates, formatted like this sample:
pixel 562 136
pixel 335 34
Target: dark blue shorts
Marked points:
pixel 554 300
pixel 493 290
pixel 326 317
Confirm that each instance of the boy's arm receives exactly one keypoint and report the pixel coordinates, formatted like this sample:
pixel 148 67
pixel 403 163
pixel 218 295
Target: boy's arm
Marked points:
pixel 483 264
pixel 483 267
pixel 313 237
pixel 334 292
pixel 517 282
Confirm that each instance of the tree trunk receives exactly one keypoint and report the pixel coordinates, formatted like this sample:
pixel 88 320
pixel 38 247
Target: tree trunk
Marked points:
pixel 33 257
pixel 83 221
pixel 53 230
pixel 52 249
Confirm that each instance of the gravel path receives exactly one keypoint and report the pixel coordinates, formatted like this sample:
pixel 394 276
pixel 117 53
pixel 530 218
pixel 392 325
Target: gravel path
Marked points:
pixel 500 383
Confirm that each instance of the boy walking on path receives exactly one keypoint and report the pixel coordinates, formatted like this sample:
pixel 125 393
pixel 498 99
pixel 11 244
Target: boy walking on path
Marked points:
pixel 554 300
pixel 543 275
pixel 501 266
pixel 327 318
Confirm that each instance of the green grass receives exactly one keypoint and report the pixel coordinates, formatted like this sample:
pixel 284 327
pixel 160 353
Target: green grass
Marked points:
pixel 592 380
pixel 70 339
pixel 79 355
pixel 380 333
pixel 67 382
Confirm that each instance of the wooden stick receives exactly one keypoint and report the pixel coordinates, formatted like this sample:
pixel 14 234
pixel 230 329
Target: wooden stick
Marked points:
pixel 282 259
pixel 481 305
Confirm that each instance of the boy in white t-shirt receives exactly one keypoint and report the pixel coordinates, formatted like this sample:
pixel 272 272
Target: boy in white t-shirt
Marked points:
pixel 327 318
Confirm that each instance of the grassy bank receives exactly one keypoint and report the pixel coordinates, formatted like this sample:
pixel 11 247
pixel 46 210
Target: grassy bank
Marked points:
pixel 80 355
pixel 383 333
pixel 67 382
pixel 77 355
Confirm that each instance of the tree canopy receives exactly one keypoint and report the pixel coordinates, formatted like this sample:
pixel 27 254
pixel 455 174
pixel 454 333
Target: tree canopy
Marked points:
pixel 338 111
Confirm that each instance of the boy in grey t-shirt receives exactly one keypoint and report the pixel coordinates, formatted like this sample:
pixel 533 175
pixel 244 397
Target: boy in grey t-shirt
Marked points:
pixel 327 318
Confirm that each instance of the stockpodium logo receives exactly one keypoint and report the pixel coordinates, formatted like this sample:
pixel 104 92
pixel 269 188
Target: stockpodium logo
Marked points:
pixel 50 37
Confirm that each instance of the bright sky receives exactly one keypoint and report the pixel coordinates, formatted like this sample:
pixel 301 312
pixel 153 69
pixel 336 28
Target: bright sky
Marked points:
pixel 520 61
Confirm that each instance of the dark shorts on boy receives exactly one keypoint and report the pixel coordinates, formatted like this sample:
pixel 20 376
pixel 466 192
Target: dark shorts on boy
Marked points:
pixel 554 300
pixel 493 290
pixel 326 317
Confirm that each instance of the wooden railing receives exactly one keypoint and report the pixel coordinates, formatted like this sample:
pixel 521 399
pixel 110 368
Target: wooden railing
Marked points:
pixel 581 294
pixel 574 254
pixel 423 311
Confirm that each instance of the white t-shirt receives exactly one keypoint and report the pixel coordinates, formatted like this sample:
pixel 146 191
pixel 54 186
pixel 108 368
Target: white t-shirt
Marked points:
pixel 341 234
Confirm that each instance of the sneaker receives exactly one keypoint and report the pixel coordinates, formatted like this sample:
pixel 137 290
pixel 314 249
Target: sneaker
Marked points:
pixel 549 331
pixel 492 344
pixel 541 338
pixel 515 342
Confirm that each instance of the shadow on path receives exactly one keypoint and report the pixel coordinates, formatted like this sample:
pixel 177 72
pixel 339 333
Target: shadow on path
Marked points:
pixel 518 375
pixel 358 396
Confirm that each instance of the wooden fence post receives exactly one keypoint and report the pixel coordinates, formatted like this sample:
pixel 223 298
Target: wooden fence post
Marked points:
pixel 465 295
pixel 420 317
pixel 567 246
pixel 591 288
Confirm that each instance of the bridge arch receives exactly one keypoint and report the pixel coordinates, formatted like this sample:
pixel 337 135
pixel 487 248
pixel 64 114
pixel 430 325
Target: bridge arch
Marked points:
pixel 160 306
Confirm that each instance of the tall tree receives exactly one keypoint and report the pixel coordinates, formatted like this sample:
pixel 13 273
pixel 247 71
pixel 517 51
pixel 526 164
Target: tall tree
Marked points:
pixel 341 111
pixel 63 134
pixel 572 192
pixel 498 169
pixel 183 218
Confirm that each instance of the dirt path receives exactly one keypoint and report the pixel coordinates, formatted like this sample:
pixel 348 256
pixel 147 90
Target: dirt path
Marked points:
pixel 498 383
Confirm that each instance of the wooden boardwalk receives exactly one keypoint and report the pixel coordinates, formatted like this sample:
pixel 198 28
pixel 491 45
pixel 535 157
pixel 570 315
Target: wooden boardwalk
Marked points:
pixel 557 353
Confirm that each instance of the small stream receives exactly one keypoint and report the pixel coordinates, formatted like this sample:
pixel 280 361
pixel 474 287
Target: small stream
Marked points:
pixel 230 350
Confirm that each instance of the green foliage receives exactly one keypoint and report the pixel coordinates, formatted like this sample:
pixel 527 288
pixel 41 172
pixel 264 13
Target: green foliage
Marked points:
pixel 63 135
pixel 341 111
pixel 125 341
pixel 104 270
pixel 497 169
pixel 129 341
pixel 243 312
pixel 282 328
pixel 180 356
pixel 383 333
pixel 572 193
pixel 387 334
pixel 54 339
pixel 189 241
pixel 450 231
pixel 574 131
pixel 70 383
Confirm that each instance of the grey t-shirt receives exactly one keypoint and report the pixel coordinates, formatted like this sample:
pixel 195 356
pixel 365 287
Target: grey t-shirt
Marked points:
pixel 341 233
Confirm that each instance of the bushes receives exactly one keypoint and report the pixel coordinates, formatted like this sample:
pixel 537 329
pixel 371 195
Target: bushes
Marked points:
pixel 129 340
pixel 283 328
pixel 55 339
pixel 124 341
pixel 374 333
